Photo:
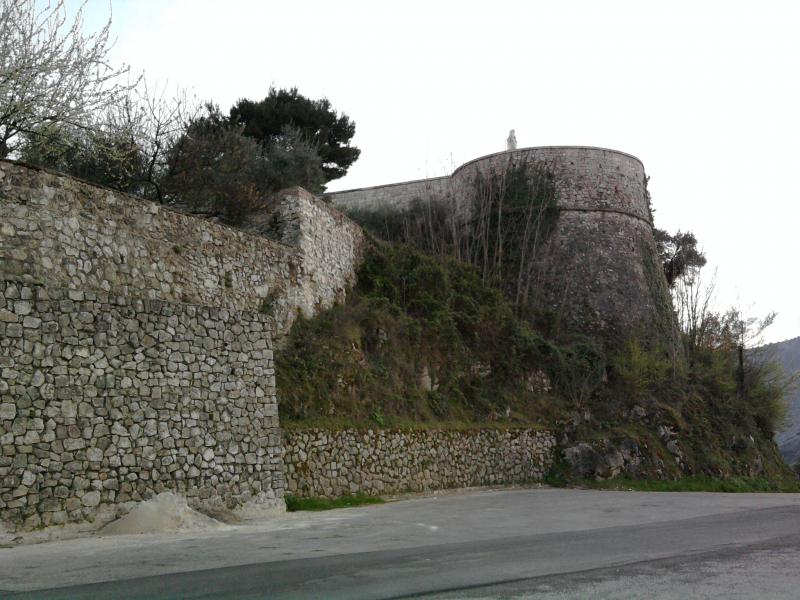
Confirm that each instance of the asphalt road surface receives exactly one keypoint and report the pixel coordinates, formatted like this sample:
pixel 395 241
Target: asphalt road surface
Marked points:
pixel 531 543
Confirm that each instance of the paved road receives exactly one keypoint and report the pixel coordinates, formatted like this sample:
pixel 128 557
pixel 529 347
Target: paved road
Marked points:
pixel 537 543
pixel 761 571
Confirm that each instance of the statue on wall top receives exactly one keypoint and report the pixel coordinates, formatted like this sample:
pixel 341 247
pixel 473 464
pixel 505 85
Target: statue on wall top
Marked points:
pixel 511 141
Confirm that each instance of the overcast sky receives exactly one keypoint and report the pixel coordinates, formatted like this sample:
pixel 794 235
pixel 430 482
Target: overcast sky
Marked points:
pixel 706 94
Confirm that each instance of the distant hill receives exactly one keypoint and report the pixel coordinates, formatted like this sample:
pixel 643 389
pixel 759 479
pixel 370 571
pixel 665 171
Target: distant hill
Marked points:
pixel 788 355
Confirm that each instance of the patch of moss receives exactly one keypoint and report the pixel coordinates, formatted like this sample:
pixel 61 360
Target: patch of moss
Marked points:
pixel 293 503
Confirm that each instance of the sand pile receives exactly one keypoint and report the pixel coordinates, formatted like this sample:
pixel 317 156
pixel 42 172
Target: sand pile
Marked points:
pixel 166 512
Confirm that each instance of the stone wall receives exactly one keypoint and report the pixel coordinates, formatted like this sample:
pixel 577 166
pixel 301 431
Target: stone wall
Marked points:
pixel 70 234
pixel 107 399
pixel 136 345
pixel 335 463
pixel 330 244
pixel 394 196
pixel 587 179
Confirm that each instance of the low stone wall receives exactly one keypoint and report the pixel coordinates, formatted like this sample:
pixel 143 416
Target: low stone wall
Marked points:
pixel 335 463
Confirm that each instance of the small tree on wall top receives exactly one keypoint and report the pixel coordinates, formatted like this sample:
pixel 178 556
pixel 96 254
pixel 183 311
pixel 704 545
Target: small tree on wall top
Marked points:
pixel 315 120
pixel 214 170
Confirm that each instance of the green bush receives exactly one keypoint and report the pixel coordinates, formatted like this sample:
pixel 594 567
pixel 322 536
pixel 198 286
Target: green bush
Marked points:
pixel 422 340
pixel 641 372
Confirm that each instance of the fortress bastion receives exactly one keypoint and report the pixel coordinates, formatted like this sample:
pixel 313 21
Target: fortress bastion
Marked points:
pixel 600 269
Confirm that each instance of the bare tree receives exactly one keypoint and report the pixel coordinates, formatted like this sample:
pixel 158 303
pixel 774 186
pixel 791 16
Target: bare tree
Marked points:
pixel 512 211
pixel 50 71
pixel 747 333
pixel 124 147
pixel 152 120
pixel 694 299
pixel 704 327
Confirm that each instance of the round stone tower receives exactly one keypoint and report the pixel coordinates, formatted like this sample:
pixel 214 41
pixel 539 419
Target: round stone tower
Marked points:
pixel 599 267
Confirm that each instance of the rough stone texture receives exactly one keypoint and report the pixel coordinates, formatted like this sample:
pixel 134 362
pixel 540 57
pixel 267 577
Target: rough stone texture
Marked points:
pixel 331 246
pixel 334 463
pixel 136 345
pixel 587 179
pixel 110 400
pixel 599 266
pixel 70 234
pixel 601 271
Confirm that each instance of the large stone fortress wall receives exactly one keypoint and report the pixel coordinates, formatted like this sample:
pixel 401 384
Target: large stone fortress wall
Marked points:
pixel 587 179
pixel 395 195
pixel 136 345
pixel 598 269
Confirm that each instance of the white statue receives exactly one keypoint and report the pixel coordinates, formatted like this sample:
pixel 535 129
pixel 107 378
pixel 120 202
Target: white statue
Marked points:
pixel 511 142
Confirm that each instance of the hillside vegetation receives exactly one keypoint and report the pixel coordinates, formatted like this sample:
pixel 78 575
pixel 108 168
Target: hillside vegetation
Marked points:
pixel 422 342
pixel 787 354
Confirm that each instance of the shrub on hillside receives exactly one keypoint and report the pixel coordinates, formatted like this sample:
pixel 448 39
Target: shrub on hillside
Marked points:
pixel 424 339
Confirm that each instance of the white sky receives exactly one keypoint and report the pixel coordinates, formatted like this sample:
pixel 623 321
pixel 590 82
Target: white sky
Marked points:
pixel 707 94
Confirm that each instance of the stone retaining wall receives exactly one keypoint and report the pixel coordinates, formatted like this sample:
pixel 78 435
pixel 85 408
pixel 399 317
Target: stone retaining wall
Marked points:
pixel 136 345
pixel 336 463
pixel 106 400
pixel 67 233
